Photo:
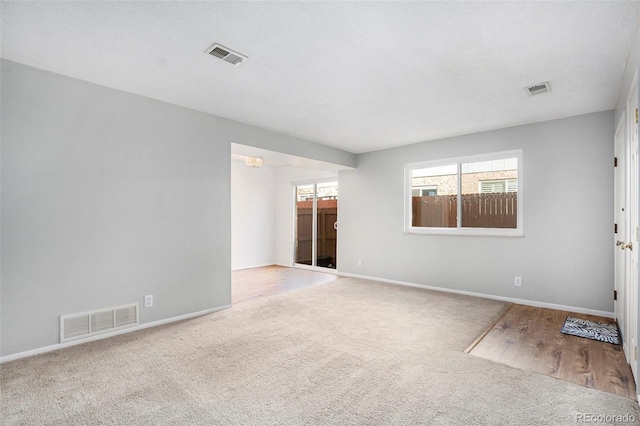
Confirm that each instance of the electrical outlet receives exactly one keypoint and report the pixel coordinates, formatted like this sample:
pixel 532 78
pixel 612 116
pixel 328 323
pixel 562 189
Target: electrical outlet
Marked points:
pixel 359 262
pixel 148 301
pixel 518 282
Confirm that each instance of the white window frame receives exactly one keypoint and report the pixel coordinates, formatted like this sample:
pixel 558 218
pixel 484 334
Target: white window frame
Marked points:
pixel 459 230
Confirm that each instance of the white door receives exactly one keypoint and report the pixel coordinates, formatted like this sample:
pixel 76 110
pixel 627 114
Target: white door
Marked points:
pixel 620 230
pixel 632 193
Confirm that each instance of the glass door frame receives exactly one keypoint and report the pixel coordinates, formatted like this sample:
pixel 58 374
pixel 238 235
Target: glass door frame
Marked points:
pixel 314 221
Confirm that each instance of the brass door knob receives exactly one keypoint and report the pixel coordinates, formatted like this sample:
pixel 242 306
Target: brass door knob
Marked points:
pixel 623 245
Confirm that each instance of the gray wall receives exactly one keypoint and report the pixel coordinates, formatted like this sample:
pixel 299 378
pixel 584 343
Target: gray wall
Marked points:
pixel 108 196
pixel 566 255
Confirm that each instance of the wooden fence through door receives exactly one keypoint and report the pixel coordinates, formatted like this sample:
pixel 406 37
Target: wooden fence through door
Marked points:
pixel 326 238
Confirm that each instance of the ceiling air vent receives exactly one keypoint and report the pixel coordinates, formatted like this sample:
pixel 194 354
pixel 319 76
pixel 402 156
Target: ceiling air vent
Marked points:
pixel 221 52
pixel 539 88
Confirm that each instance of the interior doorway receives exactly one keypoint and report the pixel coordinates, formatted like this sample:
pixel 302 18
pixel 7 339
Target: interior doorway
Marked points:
pixel 316 224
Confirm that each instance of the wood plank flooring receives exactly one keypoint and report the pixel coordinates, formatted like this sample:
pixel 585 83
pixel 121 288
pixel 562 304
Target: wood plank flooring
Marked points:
pixel 529 338
pixel 247 284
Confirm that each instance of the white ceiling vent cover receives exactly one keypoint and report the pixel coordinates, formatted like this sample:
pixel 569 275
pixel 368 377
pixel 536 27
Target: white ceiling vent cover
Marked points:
pixel 539 88
pixel 221 52
pixel 85 324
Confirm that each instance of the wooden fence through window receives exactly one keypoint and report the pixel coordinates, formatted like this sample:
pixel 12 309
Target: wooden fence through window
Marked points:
pixel 494 210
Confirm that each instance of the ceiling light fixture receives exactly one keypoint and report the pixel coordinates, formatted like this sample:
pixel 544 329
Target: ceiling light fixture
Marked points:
pixel 221 52
pixel 253 162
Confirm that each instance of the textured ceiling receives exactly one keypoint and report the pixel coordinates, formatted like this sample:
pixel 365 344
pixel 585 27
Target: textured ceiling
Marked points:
pixel 359 76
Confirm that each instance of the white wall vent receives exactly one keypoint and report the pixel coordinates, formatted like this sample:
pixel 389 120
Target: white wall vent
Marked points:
pixel 234 58
pixel 539 88
pixel 85 324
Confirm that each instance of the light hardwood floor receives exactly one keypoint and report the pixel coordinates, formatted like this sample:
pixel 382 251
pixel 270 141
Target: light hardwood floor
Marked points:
pixel 250 283
pixel 529 338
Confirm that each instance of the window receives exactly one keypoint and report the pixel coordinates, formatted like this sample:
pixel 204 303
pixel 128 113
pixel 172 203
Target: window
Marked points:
pixel 424 191
pixel 492 186
pixel 477 195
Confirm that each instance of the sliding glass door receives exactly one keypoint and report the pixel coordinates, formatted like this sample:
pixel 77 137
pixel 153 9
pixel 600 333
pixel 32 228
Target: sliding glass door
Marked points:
pixel 316 224
pixel 304 224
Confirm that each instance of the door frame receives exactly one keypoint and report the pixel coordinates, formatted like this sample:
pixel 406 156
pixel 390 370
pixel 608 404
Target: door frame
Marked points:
pixel 631 290
pixel 314 232
pixel 621 234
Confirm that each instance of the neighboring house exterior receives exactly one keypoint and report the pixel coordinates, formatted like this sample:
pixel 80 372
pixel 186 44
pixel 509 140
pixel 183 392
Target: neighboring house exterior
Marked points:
pixel 477 178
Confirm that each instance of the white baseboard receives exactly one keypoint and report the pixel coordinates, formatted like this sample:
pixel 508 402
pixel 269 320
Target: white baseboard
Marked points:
pixel 486 296
pixel 57 346
pixel 252 266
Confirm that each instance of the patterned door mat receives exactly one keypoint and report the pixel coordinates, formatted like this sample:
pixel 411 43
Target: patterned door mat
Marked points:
pixel 600 331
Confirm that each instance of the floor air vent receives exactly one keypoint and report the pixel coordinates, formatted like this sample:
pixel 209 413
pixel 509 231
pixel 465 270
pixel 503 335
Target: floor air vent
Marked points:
pixel 221 52
pixel 85 324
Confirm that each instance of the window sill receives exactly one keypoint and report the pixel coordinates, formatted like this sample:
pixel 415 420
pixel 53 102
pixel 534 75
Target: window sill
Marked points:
pixel 466 232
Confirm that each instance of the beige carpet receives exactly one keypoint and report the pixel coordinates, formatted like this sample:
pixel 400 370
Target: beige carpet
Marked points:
pixel 349 352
